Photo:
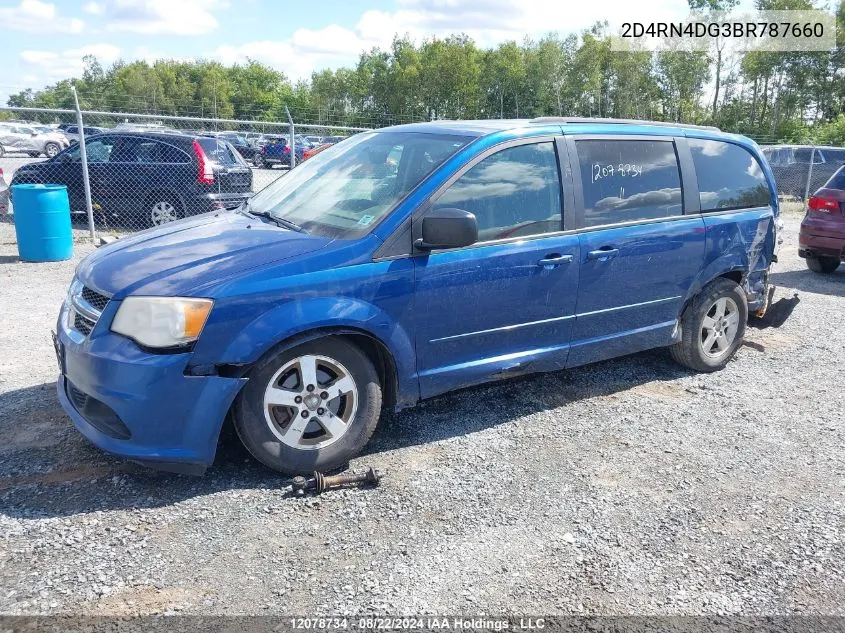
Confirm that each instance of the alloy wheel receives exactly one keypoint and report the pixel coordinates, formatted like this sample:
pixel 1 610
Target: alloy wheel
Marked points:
pixel 310 402
pixel 162 213
pixel 719 327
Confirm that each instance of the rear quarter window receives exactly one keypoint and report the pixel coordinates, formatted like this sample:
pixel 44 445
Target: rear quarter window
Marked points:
pixel 729 176
pixel 219 152
pixel 629 180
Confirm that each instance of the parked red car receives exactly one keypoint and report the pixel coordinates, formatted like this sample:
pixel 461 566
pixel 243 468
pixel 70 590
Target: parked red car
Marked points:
pixel 313 151
pixel 821 241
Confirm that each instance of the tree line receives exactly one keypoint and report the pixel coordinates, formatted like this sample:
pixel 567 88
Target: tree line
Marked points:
pixel 790 97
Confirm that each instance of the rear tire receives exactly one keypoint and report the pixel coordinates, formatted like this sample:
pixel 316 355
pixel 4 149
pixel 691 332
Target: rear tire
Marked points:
pixel 821 264
pixel 341 410
pixel 712 327
pixel 162 209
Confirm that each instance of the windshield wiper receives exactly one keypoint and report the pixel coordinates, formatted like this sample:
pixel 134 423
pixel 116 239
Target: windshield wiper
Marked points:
pixel 282 222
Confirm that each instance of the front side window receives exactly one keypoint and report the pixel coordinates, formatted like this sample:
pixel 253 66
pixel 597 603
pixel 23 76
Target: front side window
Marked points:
pixel 514 192
pixel 345 190
pixel 729 176
pixel 629 180
pixel 98 150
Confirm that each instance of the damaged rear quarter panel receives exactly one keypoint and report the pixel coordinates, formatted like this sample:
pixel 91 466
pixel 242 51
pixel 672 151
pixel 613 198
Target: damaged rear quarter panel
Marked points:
pixel 738 241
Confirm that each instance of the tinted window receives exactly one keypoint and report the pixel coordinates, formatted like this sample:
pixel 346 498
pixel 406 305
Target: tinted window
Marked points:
pixel 98 150
pixel 149 152
pixel 219 152
pixel 837 181
pixel 513 192
pixel 729 177
pixel 802 155
pixel 625 181
pixel 835 156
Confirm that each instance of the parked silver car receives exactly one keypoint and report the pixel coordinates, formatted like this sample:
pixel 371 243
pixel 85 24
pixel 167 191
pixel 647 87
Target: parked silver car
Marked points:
pixel 71 132
pixel 15 137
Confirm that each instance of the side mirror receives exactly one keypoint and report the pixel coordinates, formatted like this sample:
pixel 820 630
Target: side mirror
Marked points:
pixel 447 228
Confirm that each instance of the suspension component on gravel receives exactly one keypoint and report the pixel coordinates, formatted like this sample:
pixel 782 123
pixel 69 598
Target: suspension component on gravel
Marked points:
pixel 319 483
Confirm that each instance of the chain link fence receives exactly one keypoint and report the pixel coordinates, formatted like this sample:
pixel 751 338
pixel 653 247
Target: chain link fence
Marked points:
pixel 800 170
pixel 134 171
pixel 125 172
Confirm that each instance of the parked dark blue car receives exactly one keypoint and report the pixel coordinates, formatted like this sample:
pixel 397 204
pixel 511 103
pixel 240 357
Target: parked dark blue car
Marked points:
pixel 404 263
pixel 277 152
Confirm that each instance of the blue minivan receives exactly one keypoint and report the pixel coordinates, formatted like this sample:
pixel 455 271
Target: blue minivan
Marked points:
pixel 407 262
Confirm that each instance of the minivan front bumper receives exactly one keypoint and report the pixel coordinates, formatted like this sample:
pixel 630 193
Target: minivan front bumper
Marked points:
pixel 139 405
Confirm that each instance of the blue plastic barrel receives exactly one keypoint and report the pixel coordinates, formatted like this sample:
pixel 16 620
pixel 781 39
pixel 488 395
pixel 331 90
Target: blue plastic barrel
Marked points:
pixel 42 222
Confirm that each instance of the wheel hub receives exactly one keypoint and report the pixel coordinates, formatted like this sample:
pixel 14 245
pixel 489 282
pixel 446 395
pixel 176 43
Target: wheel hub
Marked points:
pixel 311 401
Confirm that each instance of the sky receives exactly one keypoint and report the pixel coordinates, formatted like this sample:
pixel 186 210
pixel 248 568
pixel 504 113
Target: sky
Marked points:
pixel 42 42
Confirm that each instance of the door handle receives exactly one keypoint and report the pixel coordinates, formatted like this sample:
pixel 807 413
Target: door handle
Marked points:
pixel 603 254
pixel 554 260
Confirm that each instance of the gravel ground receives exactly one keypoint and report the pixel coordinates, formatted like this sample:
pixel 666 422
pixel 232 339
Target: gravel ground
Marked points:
pixel 627 487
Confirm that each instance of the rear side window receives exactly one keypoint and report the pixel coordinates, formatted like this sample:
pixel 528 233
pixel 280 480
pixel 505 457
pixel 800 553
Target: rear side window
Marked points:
pixel 150 152
pixel 835 156
pixel 803 155
pixel 729 176
pixel 514 192
pixel 625 181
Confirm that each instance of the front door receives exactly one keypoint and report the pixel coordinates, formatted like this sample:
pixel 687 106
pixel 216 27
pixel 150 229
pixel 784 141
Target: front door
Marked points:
pixel 506 304
pixel 639 252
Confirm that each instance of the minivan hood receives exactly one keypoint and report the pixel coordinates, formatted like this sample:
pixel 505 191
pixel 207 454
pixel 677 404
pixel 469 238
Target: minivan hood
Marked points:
pixel 191 256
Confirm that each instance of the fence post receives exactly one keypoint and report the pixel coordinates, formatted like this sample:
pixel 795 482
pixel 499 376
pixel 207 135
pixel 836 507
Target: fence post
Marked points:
pixel 83 157
pixel 809 175
pixel 292 140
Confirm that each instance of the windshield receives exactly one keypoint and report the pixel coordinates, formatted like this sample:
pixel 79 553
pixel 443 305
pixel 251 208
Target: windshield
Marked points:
pixel 346 189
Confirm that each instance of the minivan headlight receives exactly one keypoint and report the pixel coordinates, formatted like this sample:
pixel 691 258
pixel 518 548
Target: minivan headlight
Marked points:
pixel 161 322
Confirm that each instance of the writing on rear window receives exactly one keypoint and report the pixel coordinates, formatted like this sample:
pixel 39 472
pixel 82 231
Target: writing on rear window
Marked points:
pixel 623 170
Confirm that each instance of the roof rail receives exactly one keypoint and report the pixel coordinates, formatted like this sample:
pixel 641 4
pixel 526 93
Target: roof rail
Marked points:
pixel 580 119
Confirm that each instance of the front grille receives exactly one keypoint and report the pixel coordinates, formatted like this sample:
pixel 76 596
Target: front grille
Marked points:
pixel 86 306
pixel 96 300
pixel 82 324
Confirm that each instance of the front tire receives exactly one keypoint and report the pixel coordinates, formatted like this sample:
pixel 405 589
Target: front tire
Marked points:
pixel 51 149
pixel 821 264
pixel 310 407
pixel 712 327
